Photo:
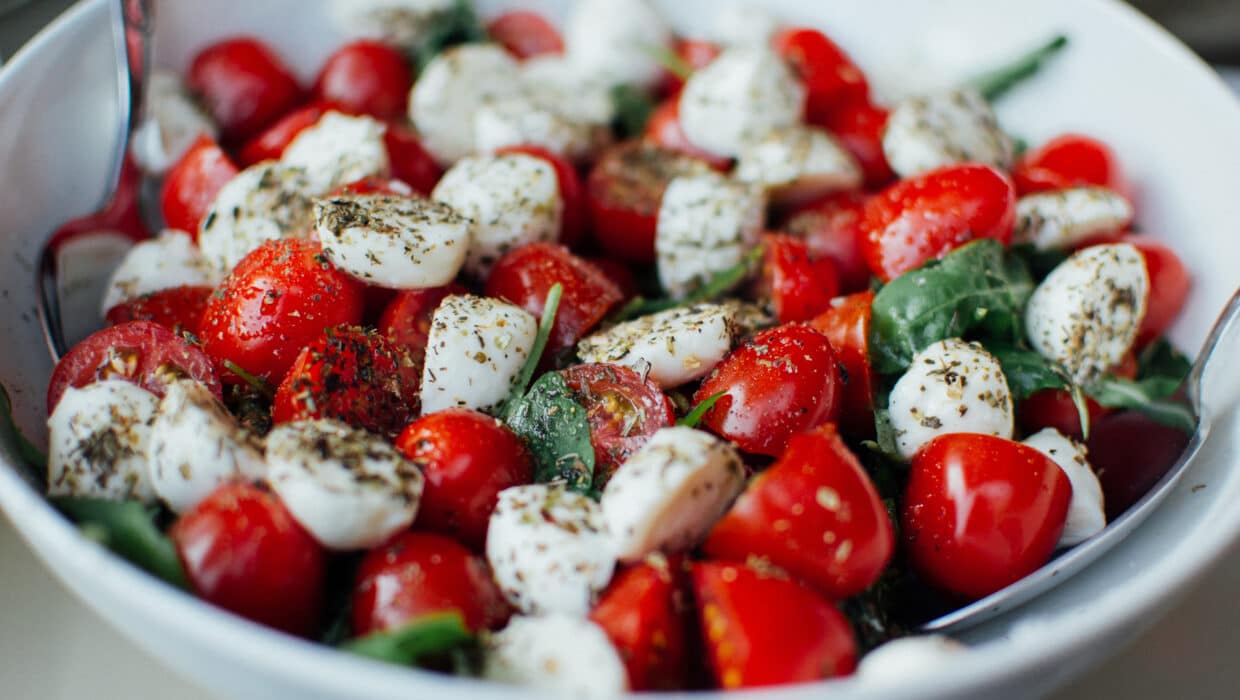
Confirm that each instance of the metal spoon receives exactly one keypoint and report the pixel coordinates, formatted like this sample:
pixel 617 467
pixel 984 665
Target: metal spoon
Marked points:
pixel 1210 393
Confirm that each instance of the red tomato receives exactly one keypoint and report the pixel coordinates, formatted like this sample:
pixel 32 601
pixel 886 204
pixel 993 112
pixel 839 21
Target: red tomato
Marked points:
pixel 1130 453
pixel 794 284
pixel 178 308
pixel 270 143
pixel 847 325
pixel 1054 408
pixel 763 630
pixel 694 53
pixel 623 410
pixel 141 352
pixel 410 161
pixel 664 129
pixel 981 512
pixel 417 574
pixel 525 275
pixel 123 214
pixel 373 185
pixel 815 514
pixel 468 458
pixel 1071 160
pixel 407 319
pixel 191 185
pixel 278 300
pixel 619 273
pixel 244 85
pixel 780 382
pixel 525 34
pixel 366 77
pixel 831 227
pixel 1169 286
pixel 645 614
pixel 928 216
pixel 859 128
pixel 572 193
pixel 831 79
pixel 243 551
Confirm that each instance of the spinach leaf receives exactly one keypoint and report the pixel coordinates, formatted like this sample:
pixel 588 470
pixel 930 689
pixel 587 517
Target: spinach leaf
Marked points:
pixel 693 417
pixel 551 306
pixel 633 107
pixel 995 83
pixel 1149 396
pixel 428 636
pixel 458 24
pixel 555 428
pixel 127 528
pixel 31 455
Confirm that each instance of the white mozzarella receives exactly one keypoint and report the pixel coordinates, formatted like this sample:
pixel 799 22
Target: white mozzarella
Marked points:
pixel 173 121
pixel 547 549
pixel 1064 218
pixel 169 260
pixel 740 97
pixel 579 95
pixel 898 659
pixel 264 202
pixel 1086 313
pixel 196 445
pixel 337 150
pixel 928 132
pixel 474 352
pixel 558 654
pixel 402 23
pixel 510 200
pixel 1086 514
pixel 951 387
pixel 527 119
pixel 348 488
pixel 395 242
pixel 668 494
pixel 98 438
pixel 797 164
pixel 449 92
pixel 671 347
pixel 706 224
pixel 742 24
pixel 613 39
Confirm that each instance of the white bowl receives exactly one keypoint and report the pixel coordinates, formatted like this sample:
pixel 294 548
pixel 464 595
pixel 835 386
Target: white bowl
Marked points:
pixel 1174 124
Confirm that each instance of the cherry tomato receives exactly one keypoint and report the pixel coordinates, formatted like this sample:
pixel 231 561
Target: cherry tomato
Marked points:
pixel 467 458
pixel 618 273
pixel 373 185
pixel 269 144
pixel 645 614
pixel 243 551
pixel 410 161
pixel 525 275
pixel 831 227
pixel 123 214
pixel 1071 160
pixel 572 192
pixel 859 129
pixel 815 514
pixel 794 284
pixel 764 630
pixel 141 352
pixel 664 129
pixel 418 573
pixel 780 382
pixel 623 410
pixel 191 185
pixel 178 308
pixel 928 216
pixel 694 53
pixel 1169 286
pixel 366 77
pixel 406 321
pixel 1054 408
pixel 1130 453
pixel 831 78
pixel 846 323
pixel 981 512
pixel 525 34
pixel 244 85
pixel 278 299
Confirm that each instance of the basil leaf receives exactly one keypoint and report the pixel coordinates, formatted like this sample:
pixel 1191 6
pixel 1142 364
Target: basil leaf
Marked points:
pixel 430 635
pixel 1147 396
pixel 31 455
pixel 551 306
pixel 693 417
pixel 1027 372
pixel 127 528
pixel 719 284
pixel 555 428
pixel 633 107
pixel 884 443
pixel 1160 359
pixel 1040 262
pixel 995 83
pixel 458 24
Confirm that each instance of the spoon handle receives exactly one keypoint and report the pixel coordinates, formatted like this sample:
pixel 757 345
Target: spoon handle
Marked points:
pixel 133 22
pixel 1213 382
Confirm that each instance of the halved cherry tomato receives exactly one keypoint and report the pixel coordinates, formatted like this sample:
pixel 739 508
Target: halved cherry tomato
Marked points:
pixel 244 85
pixel 243 551
pixel 1130 453
pixel 468 458
pixel 645 614
pixel 1071 160
pixel 780 382
pixel 406 321
pixel 191 185
pixel 847 325
pixel 815 514
pixel 795 285
pixel 665 130
pixel 123 213
pixel 859 128
pixel 178 308
pixel 623 410
pixel 278 300
pixel 764 630
pixel 417 574
pixel 1170 283
pixel 831 79
pixel 928 216
pixel 981 512
pixel 694 53
pixel 525 34
pixel 410 161
pixel 572 192
pixel 366 77
pixel 141 352
pixel 1054 408
pixel 831 227
pixel 269 144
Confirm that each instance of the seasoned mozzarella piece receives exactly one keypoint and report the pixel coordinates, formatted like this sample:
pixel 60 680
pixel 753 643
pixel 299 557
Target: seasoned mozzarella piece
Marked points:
pixel 169 260
pixel 743 95
pixel 556 80
pixel 172 123
pixel 1064 218
pixel 706 224
pixel 742 24
pixel 449 92
pixel 797 164
pixel 900 658
pixel 396 242
pixel 613 39
pixel 527 119
pixel 547 549
pixel 337 150
pixel 1086 515
pixel 924 133
pixel 474 352
pixel 196 445
pixel 348 488
pixel 402 23
pixel 98 438
pixel 556 653
pixel 667 495
pixel 951 387
pixel 1086 313
pixel 264 202
pixel 671 347
pixel 511 200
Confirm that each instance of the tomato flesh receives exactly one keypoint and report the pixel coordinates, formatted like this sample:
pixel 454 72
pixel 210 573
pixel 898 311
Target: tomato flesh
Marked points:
pixel 623 410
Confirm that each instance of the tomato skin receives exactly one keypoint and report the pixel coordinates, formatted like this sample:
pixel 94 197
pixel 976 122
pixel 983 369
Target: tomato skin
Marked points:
pixel 981 512
pixel 928 216
pixel 278 299
pixel 781 382
pixel 572 192
pixel 1130 453
pixel 665 130
pixel 244 85
pixel 406 320
pixel 831 78
pixel 645 615
pixel 191 185
pixel 846 323
pixel 796 285
pixel 372 185
pixel 366 77
pixel 694 53
pixel 244 552
pixel 762 630
pixel 1170 283
pixel 1070 160
pixel 816 487
pixel 467 458
pixel 525 34
pixel 831 227
pixel 269 144
pixel 419 573
pixel 178 308
pixel 618 273
pixel 859 129
pixel 411 163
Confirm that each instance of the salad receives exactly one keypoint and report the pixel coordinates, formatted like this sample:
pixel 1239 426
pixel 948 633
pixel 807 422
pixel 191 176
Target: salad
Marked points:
pixel 600 358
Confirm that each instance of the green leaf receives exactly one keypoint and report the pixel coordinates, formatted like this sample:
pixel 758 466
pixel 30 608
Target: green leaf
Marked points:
pixel 252 380
pixel 884 443
pixel 127 528
pixel 669 60
pixel 556 429
pixel 427 636
pixel 551 306
pixel 633 107
pixel 995 83
pixel 694 416
pixel 1160 359
pixel 1040 262
pixel 1148 396
pixel 26 449
pixel 1027 372
pixel 719 284
pixel 459 24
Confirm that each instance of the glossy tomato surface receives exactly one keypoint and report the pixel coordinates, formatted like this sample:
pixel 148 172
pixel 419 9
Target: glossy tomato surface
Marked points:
pixel 623 410
pixel 269 144
pixel 191 184
pixel 846 323
pixel 794 284
pixel 831 227
pixel 831 79
pixel 645 612
pixel 1070 160
pixel 244 84
pixel 366 77
pixel 1170 283
pixel 411 163
pixel 178 308
pixel 406 320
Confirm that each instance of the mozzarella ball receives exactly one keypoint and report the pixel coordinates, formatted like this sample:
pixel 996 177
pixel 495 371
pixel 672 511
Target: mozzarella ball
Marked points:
pixel 1065 218
pixel 579 95
pixel 929 132
pixel 1086 514
pixel 264 202
pixel 528 120
pixel 797 164
pixel 706 224
pixel 671 347
pixel 402 23
pixel 98 439
pixel 169 260
pixel 556 653
pixel 338 150
pixel 449 92
pixel 612 39
pixel 172 122
pixel 898 659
